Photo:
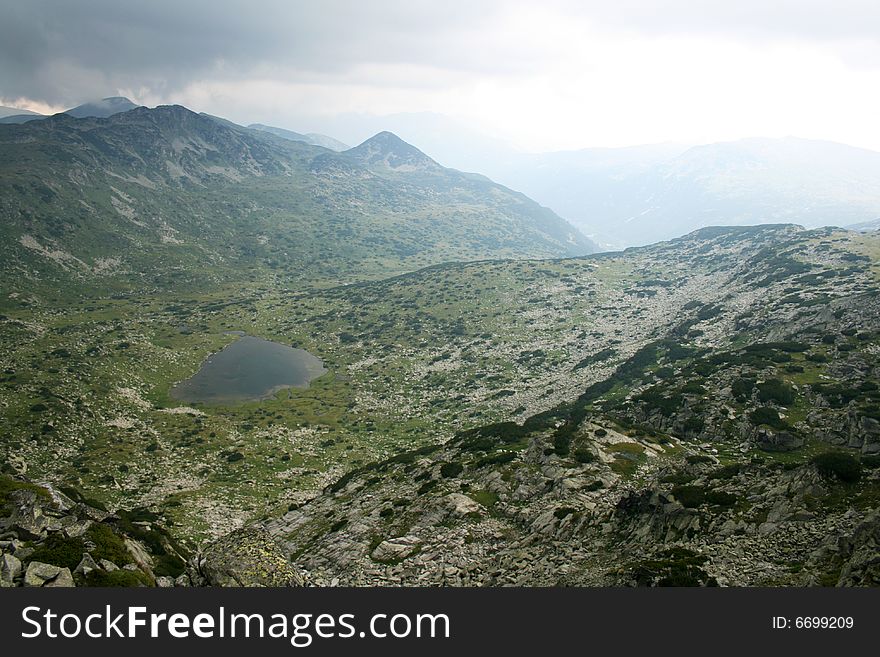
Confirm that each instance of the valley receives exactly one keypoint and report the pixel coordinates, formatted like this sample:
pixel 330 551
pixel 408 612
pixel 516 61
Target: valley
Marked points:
pixel 591 380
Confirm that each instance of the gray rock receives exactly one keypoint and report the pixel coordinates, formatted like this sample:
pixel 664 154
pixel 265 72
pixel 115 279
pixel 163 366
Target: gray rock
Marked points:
pixel 782 441
pixel 140 555
pixel 247 557
pixel 767 528
pixel 77 528
pixel 27 518
pixel 107 565
pixel 40 574
pixel 396 549
pixel 86 565
pixel 461 505
pixel 165 582
pixel 10 569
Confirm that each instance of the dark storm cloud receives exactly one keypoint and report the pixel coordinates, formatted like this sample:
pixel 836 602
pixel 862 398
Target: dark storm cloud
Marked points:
pixel 50 50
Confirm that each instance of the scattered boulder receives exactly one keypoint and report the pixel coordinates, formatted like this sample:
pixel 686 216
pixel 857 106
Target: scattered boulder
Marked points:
pixel 461 505
pixel 777 441
pixel 27 519
pixel 40 574
pixel 246 557
pixel 86 565
pixel 396 549
pixel 10 569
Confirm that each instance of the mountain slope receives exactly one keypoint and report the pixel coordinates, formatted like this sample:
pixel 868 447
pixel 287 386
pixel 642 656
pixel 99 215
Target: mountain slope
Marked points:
pixel 102 108
pixel 16 115
pixel 735 443
pixel 310 138
pixel 164 196
pixel 15 111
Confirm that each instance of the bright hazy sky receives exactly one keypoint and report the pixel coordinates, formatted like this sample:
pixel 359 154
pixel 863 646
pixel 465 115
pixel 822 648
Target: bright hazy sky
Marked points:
pixel 540 75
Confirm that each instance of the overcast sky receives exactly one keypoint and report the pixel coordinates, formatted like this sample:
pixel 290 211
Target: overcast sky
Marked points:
pixel 542 75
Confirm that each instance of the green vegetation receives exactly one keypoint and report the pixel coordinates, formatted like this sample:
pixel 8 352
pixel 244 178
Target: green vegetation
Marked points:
pixel 674 567
pixel 451 470
pixel 59 551
pixel 693 497
pixel 108 545
pixel 840 465
pixel 768 416
pixel 117 578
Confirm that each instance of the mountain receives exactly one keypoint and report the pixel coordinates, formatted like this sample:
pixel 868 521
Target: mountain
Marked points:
pixel 16 115
pixel 102 108
pixel 386 150
pixel 644 194
pixel 165 197
pixel 311 138
pixel 865 226
pixel 15 111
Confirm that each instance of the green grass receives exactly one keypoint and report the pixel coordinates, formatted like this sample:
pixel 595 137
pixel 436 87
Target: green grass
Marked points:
pixel 485 498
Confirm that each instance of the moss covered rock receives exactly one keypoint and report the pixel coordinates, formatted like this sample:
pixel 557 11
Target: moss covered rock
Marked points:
pixel 247 557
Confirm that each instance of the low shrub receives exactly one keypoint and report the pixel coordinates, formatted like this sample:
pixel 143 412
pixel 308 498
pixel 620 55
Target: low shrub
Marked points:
pixel 451 470
pixel 845 467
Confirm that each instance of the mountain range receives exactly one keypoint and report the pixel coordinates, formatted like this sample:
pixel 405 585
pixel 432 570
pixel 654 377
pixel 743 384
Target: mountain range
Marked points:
pixel 640 194
pixel 312 138
pixel 633 196
pixel 162 196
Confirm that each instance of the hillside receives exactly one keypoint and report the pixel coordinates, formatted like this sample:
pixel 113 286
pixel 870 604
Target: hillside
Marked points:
pixel 692 372
pixel 159 198
pixel 738 444
pixel 311 138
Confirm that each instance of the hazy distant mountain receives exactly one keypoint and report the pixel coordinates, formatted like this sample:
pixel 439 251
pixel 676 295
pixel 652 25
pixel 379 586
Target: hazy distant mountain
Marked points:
pixel 865 226
pixel 102 108
pixel 14 111
pixel 95 109
pixel 166 197
pixel 17 115
pixel 639 195
pixel 311 138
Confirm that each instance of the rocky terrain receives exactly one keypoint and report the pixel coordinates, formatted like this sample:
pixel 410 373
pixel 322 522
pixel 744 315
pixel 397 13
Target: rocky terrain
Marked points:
pixel 55 537
pixel 740 447
pixel 698 412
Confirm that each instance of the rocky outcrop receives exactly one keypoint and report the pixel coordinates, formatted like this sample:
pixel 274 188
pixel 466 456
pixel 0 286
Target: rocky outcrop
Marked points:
pixel 46 575
pixel 863 432
pixel 849 559
pixel 50 539
pixel 245 557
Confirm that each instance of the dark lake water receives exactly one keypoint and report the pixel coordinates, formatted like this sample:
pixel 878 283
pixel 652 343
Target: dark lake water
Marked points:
pixel 249 369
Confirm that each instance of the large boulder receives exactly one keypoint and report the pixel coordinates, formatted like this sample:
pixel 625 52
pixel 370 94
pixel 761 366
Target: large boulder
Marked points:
pixel 246 557
pixel 777 441
pixel 396 549
pixel 10 569
pixel 40 574
pixel 27 519
pixel 461 505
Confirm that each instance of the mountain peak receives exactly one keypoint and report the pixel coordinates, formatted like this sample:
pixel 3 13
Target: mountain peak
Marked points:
pixel 102 108
pixel 385 149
